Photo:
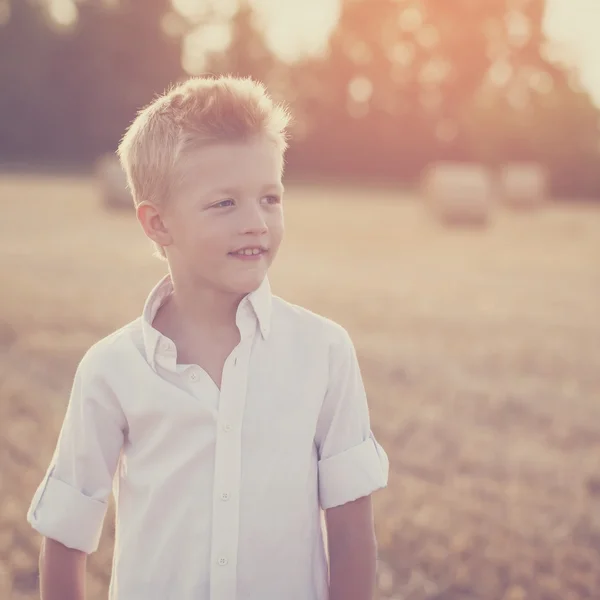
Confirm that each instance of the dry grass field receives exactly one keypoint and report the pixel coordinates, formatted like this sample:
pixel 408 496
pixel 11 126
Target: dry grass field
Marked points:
pixel 480 351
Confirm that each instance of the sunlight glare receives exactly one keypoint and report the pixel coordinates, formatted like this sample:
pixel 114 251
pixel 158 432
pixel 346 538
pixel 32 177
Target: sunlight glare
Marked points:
pixel 194 52
pixel 410 19
pixel 202 41
pixel 300 28
pixel 63 12
pixel 574 24
pixel 216 37
pixel 360 89
pixel 196 10
pixel 297 28
pixel 428 37
pixel 519 28
pixel 402 53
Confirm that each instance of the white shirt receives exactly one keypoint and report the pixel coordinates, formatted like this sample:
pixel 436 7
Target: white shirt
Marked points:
pixel 218 493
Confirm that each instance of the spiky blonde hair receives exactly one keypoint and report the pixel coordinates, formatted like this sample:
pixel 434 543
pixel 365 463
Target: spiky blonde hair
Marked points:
pixel 189 115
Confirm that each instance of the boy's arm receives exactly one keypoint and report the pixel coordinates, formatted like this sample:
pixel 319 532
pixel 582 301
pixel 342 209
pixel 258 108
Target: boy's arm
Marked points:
pixel 70 504
pixel 352 465
pixel 352 550
pixel 62 572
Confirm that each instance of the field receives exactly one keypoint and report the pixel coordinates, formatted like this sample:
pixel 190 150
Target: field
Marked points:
pixel 480 350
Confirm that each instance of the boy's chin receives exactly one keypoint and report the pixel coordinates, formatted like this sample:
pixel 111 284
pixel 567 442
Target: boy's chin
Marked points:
pixel 246 284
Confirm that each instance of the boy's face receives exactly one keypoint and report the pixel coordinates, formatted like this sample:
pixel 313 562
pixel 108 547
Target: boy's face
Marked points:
pixel 228 199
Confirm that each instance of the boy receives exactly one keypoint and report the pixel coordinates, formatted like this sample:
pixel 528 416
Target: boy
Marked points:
pixel 226 418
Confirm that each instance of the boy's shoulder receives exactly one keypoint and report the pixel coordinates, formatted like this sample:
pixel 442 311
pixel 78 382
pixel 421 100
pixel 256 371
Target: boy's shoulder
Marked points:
pixel 114 349
pixel 287 315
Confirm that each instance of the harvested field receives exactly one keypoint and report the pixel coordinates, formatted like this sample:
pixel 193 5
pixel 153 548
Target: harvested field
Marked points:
pixel 480 350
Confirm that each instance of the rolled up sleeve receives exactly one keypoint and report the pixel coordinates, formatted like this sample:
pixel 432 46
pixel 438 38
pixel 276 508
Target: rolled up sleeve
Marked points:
pixel 352 464
pixel 70 503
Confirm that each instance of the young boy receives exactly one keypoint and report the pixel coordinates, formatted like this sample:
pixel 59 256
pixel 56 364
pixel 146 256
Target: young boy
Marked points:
pixel 225 417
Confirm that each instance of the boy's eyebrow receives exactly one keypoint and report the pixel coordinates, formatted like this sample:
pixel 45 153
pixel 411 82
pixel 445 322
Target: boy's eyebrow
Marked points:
pixel 233 191
pixel 273 186
pixel 225 191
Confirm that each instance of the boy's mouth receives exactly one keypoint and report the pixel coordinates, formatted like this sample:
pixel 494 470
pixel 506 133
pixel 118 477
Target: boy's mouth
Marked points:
pixel 249 252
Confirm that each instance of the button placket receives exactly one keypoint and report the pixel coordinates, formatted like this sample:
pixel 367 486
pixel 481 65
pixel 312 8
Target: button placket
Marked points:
pixel 227 474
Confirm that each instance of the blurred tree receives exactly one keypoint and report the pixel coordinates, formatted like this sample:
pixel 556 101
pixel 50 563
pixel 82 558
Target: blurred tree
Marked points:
pixel 73 87
pixel 363 101
pixel 234 44
pixel 246 54
pixel 528 107
pixel 113 63
pixel 25 44
pixel 408 82
pixel 403 82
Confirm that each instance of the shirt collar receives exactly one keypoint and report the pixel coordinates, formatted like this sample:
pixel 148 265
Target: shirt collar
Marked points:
pixel 260 302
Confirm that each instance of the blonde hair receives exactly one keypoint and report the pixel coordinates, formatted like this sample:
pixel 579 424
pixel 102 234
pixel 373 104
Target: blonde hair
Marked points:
pixel 199 111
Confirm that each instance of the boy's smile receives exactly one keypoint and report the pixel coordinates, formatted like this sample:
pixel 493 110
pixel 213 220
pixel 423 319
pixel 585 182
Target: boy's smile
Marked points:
pixel 252 253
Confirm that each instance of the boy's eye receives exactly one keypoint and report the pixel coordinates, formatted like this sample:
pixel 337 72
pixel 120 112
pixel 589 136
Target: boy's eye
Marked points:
pixel 224 203
pixel 272 199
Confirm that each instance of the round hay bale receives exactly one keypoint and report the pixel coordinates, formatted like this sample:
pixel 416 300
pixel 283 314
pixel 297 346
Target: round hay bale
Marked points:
pixel 524 185
pixel 112 182
pixel 459 193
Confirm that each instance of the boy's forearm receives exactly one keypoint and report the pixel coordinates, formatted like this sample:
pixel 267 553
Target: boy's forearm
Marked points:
pixel 62 572
pixel 352 568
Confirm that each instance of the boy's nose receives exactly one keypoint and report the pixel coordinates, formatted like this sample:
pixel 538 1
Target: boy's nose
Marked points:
pixel 254 222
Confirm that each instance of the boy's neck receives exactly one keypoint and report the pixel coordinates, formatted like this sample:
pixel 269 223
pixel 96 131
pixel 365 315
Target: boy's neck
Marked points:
pixel 202 308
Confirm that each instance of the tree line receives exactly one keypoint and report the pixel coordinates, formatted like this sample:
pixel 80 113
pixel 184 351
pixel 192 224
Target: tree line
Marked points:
pixel 400 84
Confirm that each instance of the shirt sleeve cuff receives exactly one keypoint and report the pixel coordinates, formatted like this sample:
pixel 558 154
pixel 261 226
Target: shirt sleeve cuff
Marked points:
pixel 352 474
pixel 62 513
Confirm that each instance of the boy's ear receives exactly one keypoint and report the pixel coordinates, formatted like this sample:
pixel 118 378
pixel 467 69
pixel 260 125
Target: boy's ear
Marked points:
pixel 152 223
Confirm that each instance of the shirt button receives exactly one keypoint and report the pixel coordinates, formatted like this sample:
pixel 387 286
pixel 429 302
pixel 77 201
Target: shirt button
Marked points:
pixel 222 561
pixel 227 427
pixel 225 496
pixel 193 376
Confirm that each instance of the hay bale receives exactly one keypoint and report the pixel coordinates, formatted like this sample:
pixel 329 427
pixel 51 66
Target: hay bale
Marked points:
pixel 112 183
pixel 459 193
pixel 524 185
